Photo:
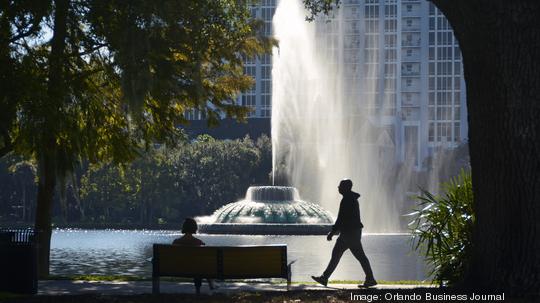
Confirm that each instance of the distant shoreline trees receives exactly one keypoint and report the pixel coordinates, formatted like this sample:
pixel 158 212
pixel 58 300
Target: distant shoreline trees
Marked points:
pixel 164 186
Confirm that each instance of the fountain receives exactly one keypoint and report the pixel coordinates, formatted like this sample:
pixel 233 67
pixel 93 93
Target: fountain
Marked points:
pixel 269 210
pixel 318 138
pixel 328 123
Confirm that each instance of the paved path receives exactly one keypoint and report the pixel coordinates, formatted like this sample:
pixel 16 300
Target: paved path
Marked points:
pixel 64 287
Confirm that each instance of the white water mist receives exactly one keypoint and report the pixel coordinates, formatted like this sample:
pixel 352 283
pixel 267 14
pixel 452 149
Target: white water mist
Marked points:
pixel 320 137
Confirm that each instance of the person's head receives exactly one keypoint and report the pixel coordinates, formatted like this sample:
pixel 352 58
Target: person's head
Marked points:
pixel 189 226
pixel 345 186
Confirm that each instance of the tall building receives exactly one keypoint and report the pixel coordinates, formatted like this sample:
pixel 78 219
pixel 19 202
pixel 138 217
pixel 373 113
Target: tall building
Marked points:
pixel 400 53
pixel 259 98
pixel 412 68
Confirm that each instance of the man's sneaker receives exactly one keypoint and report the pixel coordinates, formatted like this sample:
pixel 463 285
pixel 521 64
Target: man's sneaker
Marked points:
pixel 368 283
pixel 321 280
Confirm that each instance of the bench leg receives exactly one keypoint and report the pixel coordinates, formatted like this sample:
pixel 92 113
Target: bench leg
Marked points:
pixel 155 285
pixel 289 276
pixel 288 284
pixel 198 284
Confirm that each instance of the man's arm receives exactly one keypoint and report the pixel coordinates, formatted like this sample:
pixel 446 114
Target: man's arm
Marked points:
pixel 337 226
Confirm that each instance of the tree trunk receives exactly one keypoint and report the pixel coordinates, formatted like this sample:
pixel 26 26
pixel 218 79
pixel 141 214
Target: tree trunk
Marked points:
pixel 48 153
pixel 23 198
pixel 500 43
pixel 46 184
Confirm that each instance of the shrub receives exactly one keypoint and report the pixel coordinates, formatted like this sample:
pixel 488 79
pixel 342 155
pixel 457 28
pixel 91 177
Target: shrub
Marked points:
pixel 442 229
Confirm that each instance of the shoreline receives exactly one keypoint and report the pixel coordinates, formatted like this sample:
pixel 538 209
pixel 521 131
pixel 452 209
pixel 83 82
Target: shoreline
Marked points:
pixel 98 226
pixel 321 229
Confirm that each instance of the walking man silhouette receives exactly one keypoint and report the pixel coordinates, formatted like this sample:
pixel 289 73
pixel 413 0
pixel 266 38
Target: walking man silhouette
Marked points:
pixel 349 227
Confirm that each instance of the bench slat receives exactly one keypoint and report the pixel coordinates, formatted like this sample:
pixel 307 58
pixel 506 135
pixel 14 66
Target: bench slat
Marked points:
pixel 252 261
pixel 190 261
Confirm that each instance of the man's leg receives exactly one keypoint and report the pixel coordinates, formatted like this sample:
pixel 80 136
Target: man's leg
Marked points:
pixel 357 250
pixel 337 252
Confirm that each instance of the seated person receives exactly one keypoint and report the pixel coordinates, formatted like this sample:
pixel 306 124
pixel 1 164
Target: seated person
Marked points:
pixel 188 229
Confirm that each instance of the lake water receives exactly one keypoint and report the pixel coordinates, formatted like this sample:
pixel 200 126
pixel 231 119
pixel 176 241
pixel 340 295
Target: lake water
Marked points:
pixel 127 252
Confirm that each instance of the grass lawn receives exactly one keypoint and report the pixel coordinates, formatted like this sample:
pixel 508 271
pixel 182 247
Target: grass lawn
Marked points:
pixel 172 279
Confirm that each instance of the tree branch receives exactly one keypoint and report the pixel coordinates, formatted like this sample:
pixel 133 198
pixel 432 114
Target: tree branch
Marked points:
pixel 8 147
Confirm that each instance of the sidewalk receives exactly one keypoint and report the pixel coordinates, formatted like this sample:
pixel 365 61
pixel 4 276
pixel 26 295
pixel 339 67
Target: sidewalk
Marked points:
pixel 65 287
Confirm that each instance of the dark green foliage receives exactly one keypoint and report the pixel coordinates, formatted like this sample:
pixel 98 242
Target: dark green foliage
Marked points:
pixel 172 183
pixel 442 229
pixel 17 190
pixel 163 186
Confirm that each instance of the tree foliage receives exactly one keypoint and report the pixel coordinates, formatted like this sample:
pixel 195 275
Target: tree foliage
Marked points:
pixel 103 80
pixel 128 71
pixel 171 183
pixel 164 185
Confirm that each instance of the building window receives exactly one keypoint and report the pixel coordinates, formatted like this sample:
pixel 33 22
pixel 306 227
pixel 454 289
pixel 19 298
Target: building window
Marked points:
pixel 372 26
pixel 457 134
pixel 390 84
pixel 390 55
pixel 372 56
pixel 390 10
pixel 432 8
pixel 431 136
pixel 266 87
pixel 431 24
pixel 431 113
pixel 457 98
pixel 431 69
pixel 371 11
pixel 457 113
pixel 372 41
pixel 409 8
pixel 390 41
pixel 390 25
pixel 457 53
pixel 389 70
pixel 457 68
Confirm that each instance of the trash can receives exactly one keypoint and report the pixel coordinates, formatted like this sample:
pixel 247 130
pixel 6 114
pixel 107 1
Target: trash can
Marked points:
pixel 18 261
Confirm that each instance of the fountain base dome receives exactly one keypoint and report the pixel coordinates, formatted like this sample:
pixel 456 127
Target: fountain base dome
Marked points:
pixel 270 210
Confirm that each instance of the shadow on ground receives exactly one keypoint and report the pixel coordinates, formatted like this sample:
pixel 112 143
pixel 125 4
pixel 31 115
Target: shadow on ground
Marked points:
pixel 296 296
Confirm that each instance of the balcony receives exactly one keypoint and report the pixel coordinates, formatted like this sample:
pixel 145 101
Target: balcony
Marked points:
pixel 410 73
pixel 412 28
pixel 410 99
pixel 410 114
pixel 410 10
pixel 411 43
pixel 413 88
pixel 409 105
pixel 412 58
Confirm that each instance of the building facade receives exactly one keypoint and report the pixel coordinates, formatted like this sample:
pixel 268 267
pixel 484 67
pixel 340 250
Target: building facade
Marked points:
pixel 401 54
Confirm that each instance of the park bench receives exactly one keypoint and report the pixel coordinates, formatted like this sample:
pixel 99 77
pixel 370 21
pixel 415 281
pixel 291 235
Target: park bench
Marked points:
pixel 220 262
